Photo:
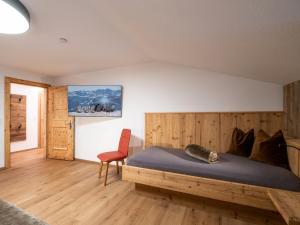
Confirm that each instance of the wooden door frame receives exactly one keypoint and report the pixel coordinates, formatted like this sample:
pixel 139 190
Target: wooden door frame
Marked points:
pixel 7 90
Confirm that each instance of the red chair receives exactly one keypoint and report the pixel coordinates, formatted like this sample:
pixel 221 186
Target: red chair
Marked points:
pixel 120 155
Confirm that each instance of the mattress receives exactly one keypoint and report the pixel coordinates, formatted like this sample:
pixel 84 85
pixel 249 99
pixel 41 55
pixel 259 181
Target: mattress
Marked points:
pixel 229 168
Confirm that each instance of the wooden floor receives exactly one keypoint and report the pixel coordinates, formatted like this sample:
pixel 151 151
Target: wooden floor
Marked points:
pixel 70 193
pixel 24 157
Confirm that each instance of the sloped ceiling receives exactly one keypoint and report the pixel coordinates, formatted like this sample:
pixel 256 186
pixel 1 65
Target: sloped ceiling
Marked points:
pixel 257 39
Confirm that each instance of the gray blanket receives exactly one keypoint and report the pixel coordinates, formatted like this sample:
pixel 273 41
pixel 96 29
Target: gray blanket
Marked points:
pixel 229 168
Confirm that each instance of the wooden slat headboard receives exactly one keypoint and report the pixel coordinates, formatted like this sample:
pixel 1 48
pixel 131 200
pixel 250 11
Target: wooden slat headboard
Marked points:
pixel 211 130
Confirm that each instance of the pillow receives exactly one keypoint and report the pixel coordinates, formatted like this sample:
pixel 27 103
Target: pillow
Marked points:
pixel 241 142
pixel 270 150
pixel 201 153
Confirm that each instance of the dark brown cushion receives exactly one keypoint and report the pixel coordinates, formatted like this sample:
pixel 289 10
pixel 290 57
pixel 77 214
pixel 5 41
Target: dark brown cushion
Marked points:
pixel 270 150
pixel 241 142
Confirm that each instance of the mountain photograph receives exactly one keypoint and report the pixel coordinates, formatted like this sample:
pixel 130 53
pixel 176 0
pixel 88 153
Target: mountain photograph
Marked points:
pixel 102 101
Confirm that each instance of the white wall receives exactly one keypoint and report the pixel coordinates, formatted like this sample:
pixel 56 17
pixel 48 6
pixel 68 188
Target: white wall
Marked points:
pixel 32 116
pixel 157 87
pixel 17 74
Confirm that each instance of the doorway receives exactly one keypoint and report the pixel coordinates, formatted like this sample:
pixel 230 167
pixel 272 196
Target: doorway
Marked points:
pixel 25 120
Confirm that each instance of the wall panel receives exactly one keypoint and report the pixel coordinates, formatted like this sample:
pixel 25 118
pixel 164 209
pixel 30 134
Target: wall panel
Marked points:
pixel 247 121
pixel 228 121
pixel 292 109
pixel 208 130
pixel 271 122
pixel 170 130
pixel 211 130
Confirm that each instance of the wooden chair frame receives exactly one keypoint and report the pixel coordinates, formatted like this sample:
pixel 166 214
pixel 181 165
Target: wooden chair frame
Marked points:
pixel 106 169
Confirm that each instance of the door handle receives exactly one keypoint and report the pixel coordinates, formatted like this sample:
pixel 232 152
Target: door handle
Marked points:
pixel 70 125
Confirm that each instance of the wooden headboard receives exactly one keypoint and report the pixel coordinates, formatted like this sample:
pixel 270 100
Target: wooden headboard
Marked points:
pixel 211 130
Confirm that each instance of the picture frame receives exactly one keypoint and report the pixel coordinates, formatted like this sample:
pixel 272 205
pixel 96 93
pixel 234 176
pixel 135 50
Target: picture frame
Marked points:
pixel 95 100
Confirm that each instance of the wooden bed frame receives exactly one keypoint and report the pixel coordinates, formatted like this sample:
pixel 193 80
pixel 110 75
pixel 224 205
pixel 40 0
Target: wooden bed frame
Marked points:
pixel 249 195
pixel 210 130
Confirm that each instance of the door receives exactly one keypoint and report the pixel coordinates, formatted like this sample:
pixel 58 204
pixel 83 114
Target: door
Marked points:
pixel 60 126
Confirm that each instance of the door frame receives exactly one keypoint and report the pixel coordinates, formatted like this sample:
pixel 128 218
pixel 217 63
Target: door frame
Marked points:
pixel 7 90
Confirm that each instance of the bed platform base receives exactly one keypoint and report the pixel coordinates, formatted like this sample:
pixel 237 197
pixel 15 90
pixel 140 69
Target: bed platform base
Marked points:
pixel 243 194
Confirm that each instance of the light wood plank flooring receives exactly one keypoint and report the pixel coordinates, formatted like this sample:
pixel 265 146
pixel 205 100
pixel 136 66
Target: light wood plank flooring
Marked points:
pixel 19 158
pixel 69 193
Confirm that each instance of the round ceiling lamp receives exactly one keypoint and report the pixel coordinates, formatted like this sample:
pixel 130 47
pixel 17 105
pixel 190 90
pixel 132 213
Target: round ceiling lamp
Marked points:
pixel 14 17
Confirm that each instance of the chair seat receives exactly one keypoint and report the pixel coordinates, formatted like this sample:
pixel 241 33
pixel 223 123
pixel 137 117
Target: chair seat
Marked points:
pixel 111 156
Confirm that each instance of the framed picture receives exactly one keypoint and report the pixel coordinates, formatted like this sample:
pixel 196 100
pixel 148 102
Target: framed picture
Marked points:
pixel 95 100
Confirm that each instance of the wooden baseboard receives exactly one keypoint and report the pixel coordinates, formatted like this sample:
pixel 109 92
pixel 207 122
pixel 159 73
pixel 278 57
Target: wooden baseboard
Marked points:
pixel 2 168
pixel 87 161
pixel 93 162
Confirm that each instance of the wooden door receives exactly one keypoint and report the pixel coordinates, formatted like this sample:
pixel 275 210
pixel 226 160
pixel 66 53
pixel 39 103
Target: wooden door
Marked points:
pixel 60 126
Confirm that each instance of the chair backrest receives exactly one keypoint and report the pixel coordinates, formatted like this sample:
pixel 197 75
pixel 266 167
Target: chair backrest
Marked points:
pixel 124 142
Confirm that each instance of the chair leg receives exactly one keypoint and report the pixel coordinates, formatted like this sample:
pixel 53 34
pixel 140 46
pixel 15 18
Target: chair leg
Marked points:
pixel 123 162
pixel 107 165
pixel 100 169
pixel 117 165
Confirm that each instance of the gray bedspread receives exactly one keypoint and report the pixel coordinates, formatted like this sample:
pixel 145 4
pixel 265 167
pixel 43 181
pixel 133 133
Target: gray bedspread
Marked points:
pixel 229 168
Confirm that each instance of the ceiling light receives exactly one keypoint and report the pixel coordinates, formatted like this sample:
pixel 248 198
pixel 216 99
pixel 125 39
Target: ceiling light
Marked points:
pixel 14 17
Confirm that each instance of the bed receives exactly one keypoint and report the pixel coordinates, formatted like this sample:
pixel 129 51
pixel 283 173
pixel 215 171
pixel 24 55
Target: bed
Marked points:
pixel 163 167
pixel 229 167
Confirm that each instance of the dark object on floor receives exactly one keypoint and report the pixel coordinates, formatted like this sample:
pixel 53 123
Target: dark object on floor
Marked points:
pixel 11 215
